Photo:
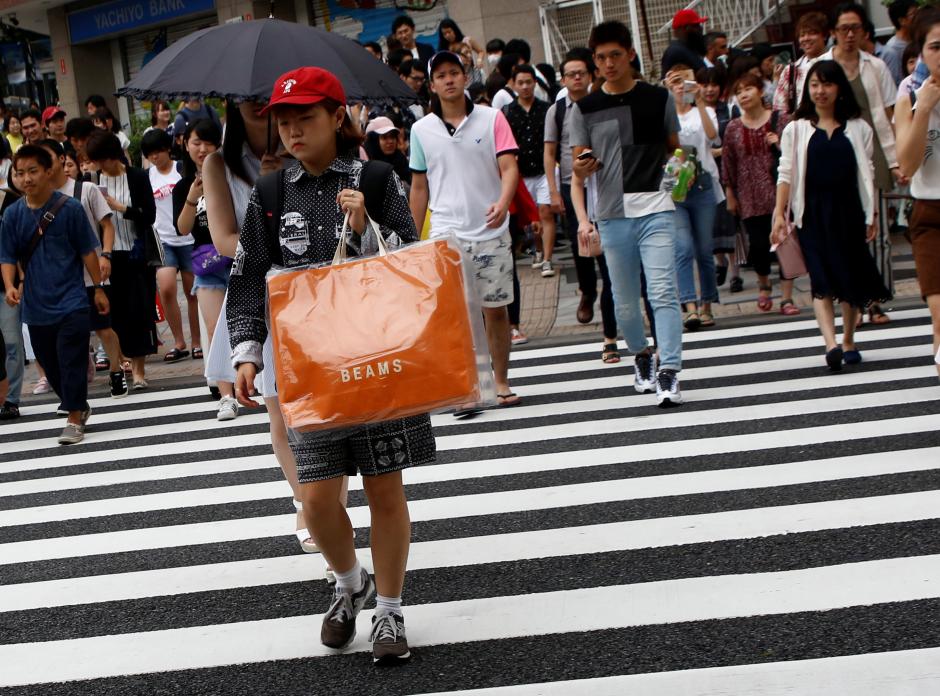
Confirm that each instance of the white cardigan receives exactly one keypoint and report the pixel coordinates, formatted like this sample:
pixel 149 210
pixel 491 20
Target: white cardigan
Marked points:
pixel 793 145
pixel 882 93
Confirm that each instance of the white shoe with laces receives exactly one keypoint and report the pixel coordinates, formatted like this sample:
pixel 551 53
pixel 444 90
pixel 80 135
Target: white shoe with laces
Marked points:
pixel 228 409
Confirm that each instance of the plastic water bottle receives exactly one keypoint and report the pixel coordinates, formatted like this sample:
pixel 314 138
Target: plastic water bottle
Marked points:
pixel 684 175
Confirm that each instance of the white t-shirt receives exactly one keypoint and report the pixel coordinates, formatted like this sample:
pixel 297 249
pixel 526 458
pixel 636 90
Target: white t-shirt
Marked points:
pixel 463 170
pixel 163 185
pixel 96 209
pixel 692 133
pixel 502 98
pixel 925 184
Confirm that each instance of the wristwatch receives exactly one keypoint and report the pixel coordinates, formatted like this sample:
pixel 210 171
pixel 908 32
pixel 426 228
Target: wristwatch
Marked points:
pixel 98 286
pixel 106 255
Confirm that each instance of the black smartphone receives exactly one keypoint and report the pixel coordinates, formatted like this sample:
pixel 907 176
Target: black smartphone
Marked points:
pixel 588 155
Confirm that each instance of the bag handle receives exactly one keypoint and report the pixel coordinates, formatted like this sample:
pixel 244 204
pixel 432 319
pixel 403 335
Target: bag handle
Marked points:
pixel 340 255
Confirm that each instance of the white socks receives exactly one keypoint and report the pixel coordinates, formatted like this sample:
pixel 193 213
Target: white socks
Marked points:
pixel 387 605
pixel 351 580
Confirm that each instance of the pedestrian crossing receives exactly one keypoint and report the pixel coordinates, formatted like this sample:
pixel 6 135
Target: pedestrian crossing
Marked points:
pixel 776 535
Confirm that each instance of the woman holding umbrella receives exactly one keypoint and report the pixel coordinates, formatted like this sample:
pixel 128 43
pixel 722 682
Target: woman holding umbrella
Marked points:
pixel 318 190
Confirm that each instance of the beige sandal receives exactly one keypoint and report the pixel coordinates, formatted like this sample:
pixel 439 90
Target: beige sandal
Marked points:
pixel 303 535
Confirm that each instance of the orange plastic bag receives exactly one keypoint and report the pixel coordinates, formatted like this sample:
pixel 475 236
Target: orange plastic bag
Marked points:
pixel 376 338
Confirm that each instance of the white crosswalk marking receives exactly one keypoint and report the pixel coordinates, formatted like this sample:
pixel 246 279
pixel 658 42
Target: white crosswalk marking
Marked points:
pixel 779 534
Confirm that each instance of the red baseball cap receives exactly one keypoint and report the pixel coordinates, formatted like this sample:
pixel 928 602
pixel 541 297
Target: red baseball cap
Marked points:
pixel 50 112
pixel 306 86
pixel 684 18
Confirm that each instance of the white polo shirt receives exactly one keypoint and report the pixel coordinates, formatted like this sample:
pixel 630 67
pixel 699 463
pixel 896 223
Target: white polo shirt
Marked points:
pixel 462 170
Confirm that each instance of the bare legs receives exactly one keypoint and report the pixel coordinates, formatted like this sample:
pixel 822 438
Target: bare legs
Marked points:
pixel 210 304
pixel 825 318
pixel 933 303
pixel 497 336
pixel 166 282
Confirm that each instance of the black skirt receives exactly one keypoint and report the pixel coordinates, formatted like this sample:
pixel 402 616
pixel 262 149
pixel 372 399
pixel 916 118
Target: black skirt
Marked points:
pixel 133 305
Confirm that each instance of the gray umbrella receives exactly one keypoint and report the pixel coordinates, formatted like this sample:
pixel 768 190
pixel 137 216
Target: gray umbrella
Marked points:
pixel 241 61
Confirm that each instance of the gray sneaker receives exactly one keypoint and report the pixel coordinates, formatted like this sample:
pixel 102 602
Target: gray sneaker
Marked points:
pixel 389 644
pixel 339 622
pixel 548 270
pixel 72 434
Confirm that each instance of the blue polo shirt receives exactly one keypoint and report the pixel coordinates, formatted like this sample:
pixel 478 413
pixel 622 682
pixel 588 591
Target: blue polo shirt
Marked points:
pixel 54 284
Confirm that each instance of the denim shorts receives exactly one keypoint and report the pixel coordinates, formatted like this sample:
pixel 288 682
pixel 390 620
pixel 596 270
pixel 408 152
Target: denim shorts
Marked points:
pixel 213 281
pixel 180 257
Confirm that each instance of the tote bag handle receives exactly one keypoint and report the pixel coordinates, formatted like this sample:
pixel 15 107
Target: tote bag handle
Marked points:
pixel 340 255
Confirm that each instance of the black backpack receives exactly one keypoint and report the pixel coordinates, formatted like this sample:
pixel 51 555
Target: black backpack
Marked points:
pixel 372 182
pixel 561 107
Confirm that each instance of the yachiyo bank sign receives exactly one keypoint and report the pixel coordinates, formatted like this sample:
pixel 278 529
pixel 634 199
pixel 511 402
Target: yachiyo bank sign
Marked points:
pixel 116 17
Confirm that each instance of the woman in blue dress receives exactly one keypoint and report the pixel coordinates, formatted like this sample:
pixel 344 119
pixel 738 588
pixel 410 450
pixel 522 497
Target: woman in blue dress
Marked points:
pixel 826 175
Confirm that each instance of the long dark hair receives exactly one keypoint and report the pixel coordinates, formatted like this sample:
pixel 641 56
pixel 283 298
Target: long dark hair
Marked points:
pixel 442 43
pixel 235 137
pixel 205 129
pixel 829 72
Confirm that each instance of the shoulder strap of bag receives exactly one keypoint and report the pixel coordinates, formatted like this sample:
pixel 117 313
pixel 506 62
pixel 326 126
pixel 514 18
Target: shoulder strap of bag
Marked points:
pixel 372 183
pixel 77 188
pixel 774 121
pixel 791 88
pixel 41 227
pixel 271 195
pixel 561 106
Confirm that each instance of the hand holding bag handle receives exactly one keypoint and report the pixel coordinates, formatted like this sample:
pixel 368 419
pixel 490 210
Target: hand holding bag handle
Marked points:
pixel 789 253
pixel 340 256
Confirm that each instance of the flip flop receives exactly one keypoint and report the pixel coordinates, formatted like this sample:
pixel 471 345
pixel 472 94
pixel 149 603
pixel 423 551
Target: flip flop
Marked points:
pixel 508 400
pixel 175 354
pixel 197 353
pixel 610 354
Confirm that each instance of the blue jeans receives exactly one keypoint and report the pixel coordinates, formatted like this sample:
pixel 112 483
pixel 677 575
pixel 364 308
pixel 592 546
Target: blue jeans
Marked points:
pixel 695 242
pixel 15 357
pixel 645 243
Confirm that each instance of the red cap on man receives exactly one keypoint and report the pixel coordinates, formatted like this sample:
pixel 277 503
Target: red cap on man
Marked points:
pixel 684 18
pixel 305 87
pixel 51 112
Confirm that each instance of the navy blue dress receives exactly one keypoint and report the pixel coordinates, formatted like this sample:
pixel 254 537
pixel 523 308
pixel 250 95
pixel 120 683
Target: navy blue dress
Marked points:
pixel 833 232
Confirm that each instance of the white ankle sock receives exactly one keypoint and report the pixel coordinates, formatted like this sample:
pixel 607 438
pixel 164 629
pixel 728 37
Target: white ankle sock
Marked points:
pixel 351 580
pixel 387 605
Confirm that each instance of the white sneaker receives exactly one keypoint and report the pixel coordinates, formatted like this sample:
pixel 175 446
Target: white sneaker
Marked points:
pixel 644 372
pixel 537 260
pixel 518 338
pixel 42 386
pixel 228 409
pixel 667 389
pixel 547 270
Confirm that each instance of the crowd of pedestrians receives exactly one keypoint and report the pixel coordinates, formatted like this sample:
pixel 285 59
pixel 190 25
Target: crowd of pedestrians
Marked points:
pixel 662 188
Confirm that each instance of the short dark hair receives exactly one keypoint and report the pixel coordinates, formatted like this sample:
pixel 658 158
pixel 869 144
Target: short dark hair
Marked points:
pixel 523 68
pixel 847 7
pixel 373 45
pixel 96 100
pixel 33 152
pixel 506 63
pixel 79 128
pixel 830 72
pixel 103 145
pixel 402 20
pixel 397 57
pixel 520 46
pixel 154 108
pixel 610 32
pixel 868 27
pixel 31 113
pixel 404 68
pixel 580 54
pixel 494 82
pixel 53 145
pixel 715 75
pixel 104 114
pixel 495 46
pixel 748 79
pixel 898 10
pixel 154 141
pixel 712 36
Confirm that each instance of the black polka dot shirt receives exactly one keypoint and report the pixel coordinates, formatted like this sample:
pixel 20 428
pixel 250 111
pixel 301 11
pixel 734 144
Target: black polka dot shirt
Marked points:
pixel 309 230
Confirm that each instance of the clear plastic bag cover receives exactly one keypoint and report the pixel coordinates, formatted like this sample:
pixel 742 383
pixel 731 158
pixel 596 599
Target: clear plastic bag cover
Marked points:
pixel 377 338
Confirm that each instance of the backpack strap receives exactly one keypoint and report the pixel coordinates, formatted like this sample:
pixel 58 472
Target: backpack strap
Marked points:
pixel 774 120
pixel 271 196
pixel 561 107
pixel 77 188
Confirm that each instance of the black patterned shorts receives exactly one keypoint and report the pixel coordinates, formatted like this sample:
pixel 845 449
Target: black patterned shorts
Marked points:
pixel 370 450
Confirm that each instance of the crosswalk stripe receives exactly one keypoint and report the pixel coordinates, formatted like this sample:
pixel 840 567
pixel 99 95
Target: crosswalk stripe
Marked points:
pixel 900 673
pixel 670 601
pixel 597 538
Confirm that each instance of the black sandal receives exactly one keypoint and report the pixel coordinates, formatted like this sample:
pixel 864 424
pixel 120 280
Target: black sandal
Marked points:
pixel 610 354
pixel 197 353
pixel 175 354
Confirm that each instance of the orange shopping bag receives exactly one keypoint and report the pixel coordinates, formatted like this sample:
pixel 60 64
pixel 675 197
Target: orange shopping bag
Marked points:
pixel 376 338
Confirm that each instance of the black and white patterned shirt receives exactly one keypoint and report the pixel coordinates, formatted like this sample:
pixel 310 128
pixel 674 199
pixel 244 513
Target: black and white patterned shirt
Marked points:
pixel 310 226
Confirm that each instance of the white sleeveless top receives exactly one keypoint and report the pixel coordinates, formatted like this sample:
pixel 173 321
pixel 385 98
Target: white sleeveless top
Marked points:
pixel 241 192
pixel 925 184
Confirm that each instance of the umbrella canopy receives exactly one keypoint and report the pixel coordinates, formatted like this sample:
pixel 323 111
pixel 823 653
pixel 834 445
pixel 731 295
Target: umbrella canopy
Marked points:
pixel 241 61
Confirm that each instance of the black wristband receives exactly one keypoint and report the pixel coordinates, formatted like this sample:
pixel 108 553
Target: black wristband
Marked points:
pixel 106 255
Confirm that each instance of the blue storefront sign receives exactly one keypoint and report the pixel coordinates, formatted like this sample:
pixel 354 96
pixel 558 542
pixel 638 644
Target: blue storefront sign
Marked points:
pixel 121 15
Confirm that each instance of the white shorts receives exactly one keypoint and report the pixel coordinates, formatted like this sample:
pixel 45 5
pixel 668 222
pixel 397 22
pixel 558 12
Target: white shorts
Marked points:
pixel 218 367
pixel 492 265
pixel 538 189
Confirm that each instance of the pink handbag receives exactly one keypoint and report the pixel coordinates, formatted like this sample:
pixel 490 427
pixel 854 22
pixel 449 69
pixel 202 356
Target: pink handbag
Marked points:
pixel 789 252
pixel 589 243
